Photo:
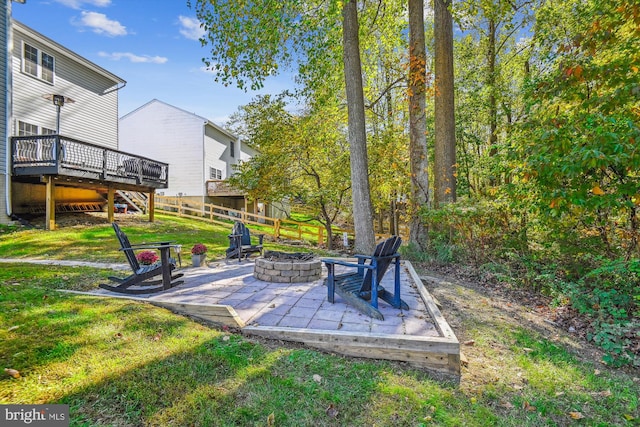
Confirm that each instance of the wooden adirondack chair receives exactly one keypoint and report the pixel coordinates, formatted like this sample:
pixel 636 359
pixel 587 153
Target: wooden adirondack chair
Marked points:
pixel 143 273
pixel 362 288
pixel 240 242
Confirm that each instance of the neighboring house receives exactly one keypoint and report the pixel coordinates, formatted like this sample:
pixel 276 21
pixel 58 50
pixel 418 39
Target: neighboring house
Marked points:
pixel 201 154
pixel 63 154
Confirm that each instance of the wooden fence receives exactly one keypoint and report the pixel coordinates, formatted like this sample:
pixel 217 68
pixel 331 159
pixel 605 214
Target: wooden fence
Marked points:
pixel 275 227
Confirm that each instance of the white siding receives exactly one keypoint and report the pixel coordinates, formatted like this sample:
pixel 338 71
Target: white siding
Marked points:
pixel 246 152
pixel 92 118
pixel 168 134
pixel 4 82
pixel 217 151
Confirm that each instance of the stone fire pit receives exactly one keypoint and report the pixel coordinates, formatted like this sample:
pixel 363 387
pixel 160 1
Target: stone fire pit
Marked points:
pixel 282 267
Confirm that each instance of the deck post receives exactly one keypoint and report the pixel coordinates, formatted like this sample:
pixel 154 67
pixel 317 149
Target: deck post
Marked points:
pixel 110 207
pixel 50 223
pixel 152 205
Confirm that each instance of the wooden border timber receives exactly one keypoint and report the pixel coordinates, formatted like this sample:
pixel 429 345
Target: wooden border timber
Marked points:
pixel 440 354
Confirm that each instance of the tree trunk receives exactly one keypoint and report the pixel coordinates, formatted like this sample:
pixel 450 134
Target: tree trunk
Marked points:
pixel 362 209
pixel 417 124
pixel 445 137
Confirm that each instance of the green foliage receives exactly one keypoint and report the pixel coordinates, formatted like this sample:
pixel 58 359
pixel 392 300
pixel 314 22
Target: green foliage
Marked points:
pixel 578 149
pixel 610 296
pixel 476 231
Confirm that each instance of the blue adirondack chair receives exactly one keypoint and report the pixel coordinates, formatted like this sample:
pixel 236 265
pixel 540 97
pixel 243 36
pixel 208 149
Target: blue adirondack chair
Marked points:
pixel 362 288
pixel 240 242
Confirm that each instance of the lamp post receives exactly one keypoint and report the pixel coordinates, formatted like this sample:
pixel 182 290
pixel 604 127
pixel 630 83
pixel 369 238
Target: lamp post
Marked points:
pixel 58 101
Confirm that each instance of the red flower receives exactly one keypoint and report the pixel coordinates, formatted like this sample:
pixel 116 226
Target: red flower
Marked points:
pixel 199 249
pixel 147 257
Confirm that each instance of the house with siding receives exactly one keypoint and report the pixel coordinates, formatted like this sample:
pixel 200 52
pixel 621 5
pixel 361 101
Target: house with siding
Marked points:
pixel 201 154
pixel 62 151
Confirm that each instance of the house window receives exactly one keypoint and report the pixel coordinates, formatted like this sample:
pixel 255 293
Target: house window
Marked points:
pixel 27 129
pixel 47 67
pixel 215 173
pixel 38 64
pixel 232 149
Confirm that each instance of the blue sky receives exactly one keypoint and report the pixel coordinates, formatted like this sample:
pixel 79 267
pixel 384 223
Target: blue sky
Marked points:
pixel 152 45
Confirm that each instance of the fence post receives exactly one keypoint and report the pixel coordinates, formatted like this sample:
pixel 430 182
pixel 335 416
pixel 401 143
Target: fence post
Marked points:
pixel 276 226
pixel 320 236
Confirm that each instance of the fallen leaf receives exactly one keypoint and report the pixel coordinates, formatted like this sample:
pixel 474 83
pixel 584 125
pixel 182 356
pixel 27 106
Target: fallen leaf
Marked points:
pixel 12 372
pixel 596 372
pixel 629 417
pixel 559 393
pixel 332 411
pixel 317 378
pixel 157 336
pixel 528 407
pixel 597 190
pixel 271 420
pixel 226 338
pixel 13 328
pixel 605 393
pixel 576 415
pixel 527 349
pixel 45 296
pixel 118 335
pixel 470 342
pixel 507 405
pixel 272 306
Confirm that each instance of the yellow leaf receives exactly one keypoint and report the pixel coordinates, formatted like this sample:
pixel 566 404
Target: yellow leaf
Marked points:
pixel 597 190
pixel 635 69
pixel 576 415
pixel 629 417
pixel 271 420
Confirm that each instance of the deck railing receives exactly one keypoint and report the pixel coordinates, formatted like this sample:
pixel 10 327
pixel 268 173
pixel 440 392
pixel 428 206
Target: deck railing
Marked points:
pixel 59 155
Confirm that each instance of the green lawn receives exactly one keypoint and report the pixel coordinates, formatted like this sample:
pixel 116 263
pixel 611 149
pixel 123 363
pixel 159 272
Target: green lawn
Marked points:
pixel 120 362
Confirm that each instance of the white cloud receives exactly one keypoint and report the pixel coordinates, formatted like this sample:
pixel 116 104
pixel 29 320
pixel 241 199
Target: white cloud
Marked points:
pixel 77 4
pixel 207 70
pixel 116 56
pixel 190 28
pixel 102 25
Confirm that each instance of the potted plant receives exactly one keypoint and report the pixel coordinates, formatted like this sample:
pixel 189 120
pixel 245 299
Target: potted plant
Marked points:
pixel 198 254
pixel 147 257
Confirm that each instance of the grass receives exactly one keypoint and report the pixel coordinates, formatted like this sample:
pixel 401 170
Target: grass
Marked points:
pixel 120 362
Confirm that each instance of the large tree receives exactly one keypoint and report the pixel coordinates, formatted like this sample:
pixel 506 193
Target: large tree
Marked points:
pixel 445 128
pixel 418 123
pixel 362 210
pixel 250 41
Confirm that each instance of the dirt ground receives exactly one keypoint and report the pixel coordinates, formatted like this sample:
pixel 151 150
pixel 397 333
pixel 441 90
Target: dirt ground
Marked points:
pixel 478 309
